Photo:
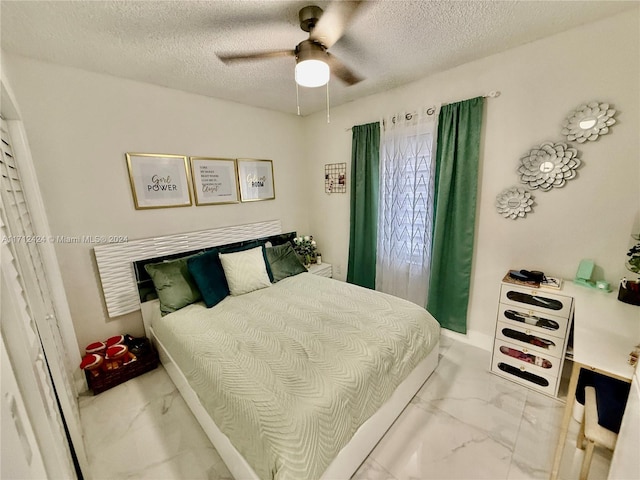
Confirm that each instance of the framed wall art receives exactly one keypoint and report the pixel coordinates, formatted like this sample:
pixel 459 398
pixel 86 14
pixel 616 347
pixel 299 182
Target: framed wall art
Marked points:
pixel 214 180
pixel 256 180
pixel 159 180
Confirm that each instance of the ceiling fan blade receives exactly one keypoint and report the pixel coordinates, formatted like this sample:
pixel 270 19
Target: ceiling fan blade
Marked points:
pixel 334 21
pixel 230 58
pixel 341 71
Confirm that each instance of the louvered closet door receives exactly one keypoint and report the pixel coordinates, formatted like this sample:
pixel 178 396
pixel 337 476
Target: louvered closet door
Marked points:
pixel 20 335
pixel 23 242
pixel 20 452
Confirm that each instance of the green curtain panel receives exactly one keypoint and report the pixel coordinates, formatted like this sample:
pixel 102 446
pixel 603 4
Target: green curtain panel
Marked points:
pixel 456 185
pixel 365 161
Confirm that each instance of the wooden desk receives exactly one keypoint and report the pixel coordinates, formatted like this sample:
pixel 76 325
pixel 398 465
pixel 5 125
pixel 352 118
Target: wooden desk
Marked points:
pixel 605 331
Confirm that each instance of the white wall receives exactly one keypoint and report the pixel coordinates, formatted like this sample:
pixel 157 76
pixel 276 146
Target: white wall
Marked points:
pixel 541 82
pixel 80 125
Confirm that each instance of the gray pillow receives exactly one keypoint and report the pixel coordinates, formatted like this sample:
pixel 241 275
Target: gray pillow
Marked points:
pixel 284 262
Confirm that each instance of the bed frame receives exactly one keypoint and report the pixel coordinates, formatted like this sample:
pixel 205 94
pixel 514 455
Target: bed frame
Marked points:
pixel 366 437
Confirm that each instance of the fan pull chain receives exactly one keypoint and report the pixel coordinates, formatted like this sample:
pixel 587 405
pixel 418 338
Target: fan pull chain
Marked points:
pixel 297 99
pixel 328 115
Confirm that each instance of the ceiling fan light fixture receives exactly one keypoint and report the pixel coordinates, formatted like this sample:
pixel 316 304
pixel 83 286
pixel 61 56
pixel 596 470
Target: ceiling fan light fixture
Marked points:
pixel 312 73
pixel 314 64
pixel 312 69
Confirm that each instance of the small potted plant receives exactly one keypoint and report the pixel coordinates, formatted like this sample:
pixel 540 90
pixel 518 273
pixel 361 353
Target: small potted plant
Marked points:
pixel 629 291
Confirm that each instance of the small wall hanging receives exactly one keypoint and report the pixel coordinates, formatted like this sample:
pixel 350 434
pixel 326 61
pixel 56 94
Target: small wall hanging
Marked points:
pixel 159 180
pixel 588 122
pixel 335 178
pixel 256 180
pixel 514 203
pixel 549 165
pixel 215 180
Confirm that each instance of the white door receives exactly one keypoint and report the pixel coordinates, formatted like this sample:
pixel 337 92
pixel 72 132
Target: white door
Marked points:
pixel 625 463
pixel 37 406
pixel 20 453
pixel 44 350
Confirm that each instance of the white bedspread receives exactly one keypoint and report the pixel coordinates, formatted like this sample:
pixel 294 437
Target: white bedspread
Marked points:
pixel 291 371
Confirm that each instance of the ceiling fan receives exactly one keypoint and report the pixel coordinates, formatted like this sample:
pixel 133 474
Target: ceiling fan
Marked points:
pixel 314 63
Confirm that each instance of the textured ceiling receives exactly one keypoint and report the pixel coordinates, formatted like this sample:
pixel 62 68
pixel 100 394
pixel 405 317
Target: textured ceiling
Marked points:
pixel 173 43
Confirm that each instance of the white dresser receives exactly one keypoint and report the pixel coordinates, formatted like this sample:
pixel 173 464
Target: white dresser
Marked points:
pixel 531 336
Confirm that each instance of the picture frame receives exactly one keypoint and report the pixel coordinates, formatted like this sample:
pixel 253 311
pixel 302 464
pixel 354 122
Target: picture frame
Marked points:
pixel 215 180
pixel 255 178
pixel 159 180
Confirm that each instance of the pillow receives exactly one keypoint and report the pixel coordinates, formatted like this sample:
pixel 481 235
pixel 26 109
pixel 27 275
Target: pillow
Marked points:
pixel 208 274
pixel 246 270
pixel 284 262
pixel 174 284
pixel 247 246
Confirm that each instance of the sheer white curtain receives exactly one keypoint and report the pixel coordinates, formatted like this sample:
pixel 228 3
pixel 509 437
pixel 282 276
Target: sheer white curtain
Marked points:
pixel 405 213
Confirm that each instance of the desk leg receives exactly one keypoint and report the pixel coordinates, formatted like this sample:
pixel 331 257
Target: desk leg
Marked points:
pixel 566 419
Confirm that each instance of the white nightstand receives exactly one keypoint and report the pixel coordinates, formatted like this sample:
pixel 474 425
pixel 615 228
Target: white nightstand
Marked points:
pixel 324 270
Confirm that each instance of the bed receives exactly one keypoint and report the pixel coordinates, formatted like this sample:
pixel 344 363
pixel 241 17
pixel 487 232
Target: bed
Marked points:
pixel 298 380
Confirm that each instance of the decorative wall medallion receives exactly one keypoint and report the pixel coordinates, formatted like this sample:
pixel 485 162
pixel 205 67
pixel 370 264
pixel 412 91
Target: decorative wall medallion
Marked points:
pixel 514 202
pixel 549 165
pixel 588 122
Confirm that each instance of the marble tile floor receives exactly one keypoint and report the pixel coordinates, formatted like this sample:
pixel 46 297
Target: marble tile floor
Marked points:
pixel 465 423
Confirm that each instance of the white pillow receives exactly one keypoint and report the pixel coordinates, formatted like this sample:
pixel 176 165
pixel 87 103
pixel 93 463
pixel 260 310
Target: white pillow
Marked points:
pixel 245 271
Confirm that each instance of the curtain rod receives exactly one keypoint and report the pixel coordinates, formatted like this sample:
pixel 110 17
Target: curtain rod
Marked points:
pixel 491 94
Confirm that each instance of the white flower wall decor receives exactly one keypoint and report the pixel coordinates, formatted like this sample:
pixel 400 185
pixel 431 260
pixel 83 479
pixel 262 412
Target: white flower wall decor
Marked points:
pixel 588 122
pixel 549 165
pixel 514 202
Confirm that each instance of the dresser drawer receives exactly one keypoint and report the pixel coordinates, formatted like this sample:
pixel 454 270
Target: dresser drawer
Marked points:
pixel 523 374
pixel 536 299
pixel 519 355
pixel 540 322
pixel 527 338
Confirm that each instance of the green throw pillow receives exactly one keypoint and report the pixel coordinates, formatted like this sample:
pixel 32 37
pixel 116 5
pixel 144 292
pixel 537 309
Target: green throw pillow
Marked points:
pixel 175 286
pixel 284 262
pixel 208 274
